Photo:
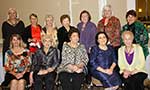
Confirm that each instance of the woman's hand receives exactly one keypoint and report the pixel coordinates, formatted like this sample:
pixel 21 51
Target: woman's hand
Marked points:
pixel 109 71
pixel 19 75
pixel 31 78
pixel 134 71
pixel 50 69
pixel 42 72
pixel 126 73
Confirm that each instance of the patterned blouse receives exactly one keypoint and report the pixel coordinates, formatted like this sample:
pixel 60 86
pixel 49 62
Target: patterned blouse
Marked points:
pixel 72 56
pixel 17 63
pixel 112 29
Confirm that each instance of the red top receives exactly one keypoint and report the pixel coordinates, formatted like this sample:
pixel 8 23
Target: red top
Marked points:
pixel 36 33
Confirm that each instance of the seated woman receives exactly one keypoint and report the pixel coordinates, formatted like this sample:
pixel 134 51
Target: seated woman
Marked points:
pixel 131 61
pixel 44 63
pixel 17 62
pixel 74 61
pixel 103 62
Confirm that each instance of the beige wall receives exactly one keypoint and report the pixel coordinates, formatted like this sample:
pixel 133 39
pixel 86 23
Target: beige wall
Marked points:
pixel 119 8
pixel 59 7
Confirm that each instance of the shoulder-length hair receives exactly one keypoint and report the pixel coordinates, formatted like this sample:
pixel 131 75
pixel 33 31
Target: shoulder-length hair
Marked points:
pixel 22 44
pixel 85 11
pixel 50 16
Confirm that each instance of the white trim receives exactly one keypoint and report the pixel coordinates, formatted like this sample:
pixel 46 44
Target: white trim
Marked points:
pixel 101 4
pixel 131 4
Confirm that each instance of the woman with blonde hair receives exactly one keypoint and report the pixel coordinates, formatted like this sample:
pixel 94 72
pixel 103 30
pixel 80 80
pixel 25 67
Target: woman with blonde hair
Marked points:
pixel 131 61
pixel 17 62
pixel 44 62
pixel 49 28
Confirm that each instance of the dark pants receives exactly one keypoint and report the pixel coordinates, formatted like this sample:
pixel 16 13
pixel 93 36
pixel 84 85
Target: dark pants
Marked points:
pixel 47 81
pixel 135 82
pixel 71 81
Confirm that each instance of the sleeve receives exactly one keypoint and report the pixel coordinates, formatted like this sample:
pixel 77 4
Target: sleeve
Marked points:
pixel 34 66
pixel 84 56
pixel 23 32
pixel 93 57
pixel 114 55
pixel 92 36
pixel 56 59
pixel 117 30
pixel 121 63
pixel 141 59
pixel 59 37
pixel 7 64
pixel 65 60
pixel 4 33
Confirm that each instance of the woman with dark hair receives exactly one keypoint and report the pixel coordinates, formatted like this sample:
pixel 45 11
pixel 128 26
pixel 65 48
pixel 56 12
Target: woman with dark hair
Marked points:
pixel 33 33
pixel 103 62
pixel 74 61
pixel 17 62
pixel 138 29
pixel 87 30
pixel 13 25
pixel 63 31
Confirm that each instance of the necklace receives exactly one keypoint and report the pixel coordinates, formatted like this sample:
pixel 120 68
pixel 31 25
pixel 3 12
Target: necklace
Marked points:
pixel 103 47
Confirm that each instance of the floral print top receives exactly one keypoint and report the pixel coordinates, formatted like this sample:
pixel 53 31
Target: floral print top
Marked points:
pixel 17 63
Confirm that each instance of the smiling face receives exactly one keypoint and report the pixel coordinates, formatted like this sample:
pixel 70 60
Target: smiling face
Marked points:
pixel 74 37
pixel 66 22
pixel 128 38
pixel 47 43
pixel 102 39
pixel 15 42
pixel 131 19
pixel 107 12
pixel 84 17
pixel 12 14
pixel 49 21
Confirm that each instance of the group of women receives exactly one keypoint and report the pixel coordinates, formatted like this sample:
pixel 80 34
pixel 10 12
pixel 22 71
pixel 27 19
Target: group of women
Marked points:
pixel 71 53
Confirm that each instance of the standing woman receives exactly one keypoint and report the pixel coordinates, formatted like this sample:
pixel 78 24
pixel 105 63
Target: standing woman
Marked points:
pixel 33 33
pixel 138 29
pixel 13 25
pixel 44 62
pixel 50 28
pixel 87 30
pixel 111 26
pixel 17 62
pixel 103 62
pixel 63 31
pixel 74 61
pixel 131 61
